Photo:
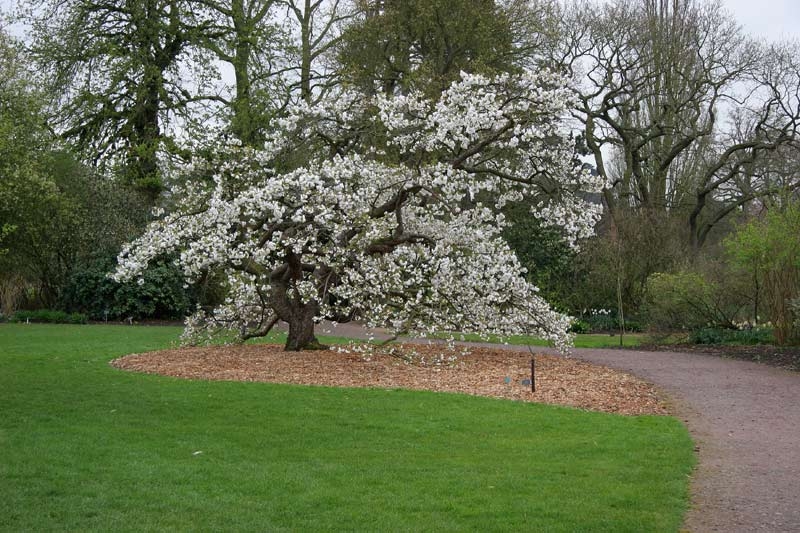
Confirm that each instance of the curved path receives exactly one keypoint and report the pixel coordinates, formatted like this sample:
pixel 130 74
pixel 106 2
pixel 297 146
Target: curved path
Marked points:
pixel 745 420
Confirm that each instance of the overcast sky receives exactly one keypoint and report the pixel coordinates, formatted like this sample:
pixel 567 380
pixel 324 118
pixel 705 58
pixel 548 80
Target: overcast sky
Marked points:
pixel 773 19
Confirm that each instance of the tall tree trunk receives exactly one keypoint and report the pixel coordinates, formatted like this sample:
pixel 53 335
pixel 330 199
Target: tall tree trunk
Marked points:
pixel 145 138
pixel 305 52
pixel 245 123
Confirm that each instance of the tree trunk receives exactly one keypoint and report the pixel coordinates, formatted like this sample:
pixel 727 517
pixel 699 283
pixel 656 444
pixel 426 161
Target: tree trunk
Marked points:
pixel 299 316
pixel 305 52
pixel 301 334
pixel 287 303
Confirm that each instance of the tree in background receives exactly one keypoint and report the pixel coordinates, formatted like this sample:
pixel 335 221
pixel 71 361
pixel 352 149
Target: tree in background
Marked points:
pixel 21 130
pixel 28 195
pixel 319 27
pixel 57 217
pixel 276 50
pixel 689 119
pixel 658 81
pixel 112 72
pixel 662 80
pixel 541 250
pixel 399 46
pixel 768 249
pixel 243 35
pixel 130 78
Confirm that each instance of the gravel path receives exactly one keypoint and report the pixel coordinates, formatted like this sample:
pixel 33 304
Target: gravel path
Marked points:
pixel 745 420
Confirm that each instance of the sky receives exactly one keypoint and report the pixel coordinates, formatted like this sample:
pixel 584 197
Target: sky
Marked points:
pixel 770 19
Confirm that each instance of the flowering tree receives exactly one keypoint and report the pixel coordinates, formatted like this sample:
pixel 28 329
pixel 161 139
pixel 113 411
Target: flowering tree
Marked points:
pixel 392 216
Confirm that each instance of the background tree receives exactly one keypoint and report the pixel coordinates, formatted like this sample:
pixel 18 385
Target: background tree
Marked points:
pixel 246 37
pixel 21 127
pixel 398 46
pixel 112 69
pixel 686 116
pixel 24 185
pixel 662 78
pixel 276 52
pixel 769 249
pixel 549 261
pixel 240 34
pixel 318 27
pixel 59 218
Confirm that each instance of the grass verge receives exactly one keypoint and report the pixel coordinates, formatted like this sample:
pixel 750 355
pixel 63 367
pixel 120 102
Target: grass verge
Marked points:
pixel 86 447
pixel 582 340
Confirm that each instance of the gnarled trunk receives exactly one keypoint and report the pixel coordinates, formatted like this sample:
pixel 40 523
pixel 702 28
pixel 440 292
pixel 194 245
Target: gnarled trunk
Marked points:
pixel 296 313
pixel 301 331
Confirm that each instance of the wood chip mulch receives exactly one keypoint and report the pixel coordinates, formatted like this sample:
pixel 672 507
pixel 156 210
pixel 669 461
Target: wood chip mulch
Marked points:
pixel 483 371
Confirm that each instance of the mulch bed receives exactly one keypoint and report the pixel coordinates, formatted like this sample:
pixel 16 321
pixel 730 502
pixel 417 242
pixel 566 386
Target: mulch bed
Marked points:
pixel 483 371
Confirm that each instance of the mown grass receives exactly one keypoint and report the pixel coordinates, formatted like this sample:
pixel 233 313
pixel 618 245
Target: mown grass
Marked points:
pixel 86 447
pixel 582 340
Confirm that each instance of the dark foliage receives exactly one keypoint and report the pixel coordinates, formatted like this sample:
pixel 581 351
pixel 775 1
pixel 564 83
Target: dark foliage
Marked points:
pixel 48 316
pixel 731 336
pixel 162 294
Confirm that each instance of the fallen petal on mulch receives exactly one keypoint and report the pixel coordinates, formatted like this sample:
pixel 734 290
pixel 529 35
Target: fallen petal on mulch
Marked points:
pixel 483 372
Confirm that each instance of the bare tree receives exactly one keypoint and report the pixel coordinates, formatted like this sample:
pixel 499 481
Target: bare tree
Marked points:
pixel 682 101
pixel 318 27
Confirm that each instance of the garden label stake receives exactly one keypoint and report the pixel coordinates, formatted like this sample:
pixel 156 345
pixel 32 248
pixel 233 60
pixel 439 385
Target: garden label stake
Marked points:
pixel 533 370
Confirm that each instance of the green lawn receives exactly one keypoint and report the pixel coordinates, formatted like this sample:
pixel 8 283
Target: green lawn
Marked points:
pixel 583 340
pixel 86 447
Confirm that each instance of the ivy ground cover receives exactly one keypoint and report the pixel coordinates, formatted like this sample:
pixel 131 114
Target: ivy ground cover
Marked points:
pixel 84 446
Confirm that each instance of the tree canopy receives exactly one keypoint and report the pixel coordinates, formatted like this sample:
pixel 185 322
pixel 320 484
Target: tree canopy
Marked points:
pixel 383 221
